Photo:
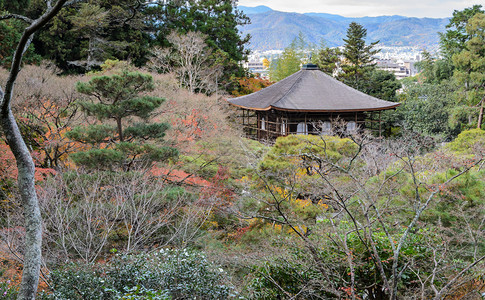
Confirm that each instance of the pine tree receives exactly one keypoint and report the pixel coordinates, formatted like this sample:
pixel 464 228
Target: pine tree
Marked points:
pixel 130 139
pixel 83 36
pixel 358 57
pixel 327 59
pixel 470 66
pixel 454 39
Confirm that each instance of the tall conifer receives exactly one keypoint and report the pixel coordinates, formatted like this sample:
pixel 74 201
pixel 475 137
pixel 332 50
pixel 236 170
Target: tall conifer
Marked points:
pixel 358 57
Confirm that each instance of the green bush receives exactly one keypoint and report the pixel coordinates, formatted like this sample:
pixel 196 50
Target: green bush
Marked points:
pixel 294 274
pixel 298 150
pixel 165 274
pixel 467 141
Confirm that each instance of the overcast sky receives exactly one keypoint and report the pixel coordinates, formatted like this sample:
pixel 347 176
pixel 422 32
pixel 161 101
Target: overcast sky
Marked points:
pixel 372 8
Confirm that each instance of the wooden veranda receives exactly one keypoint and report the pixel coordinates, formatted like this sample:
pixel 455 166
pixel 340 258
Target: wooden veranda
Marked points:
pixel 309 102
pixel 269 125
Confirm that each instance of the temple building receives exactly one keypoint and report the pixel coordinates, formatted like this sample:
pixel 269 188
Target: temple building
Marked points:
pixel 308 102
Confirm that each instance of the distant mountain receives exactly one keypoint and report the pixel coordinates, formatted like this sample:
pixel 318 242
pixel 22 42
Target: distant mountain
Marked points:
pixel 254 10
pixel 272 29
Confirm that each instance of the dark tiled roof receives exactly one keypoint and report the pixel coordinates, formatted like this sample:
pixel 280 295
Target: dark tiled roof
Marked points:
pixel 311 90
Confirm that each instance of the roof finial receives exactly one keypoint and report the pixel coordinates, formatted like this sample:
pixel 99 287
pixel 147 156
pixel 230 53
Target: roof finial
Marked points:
pixel 309 67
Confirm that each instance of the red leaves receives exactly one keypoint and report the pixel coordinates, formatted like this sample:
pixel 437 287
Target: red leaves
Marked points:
pixel 217 192
pixel 190 126
pixel 178 176
pixel 8 166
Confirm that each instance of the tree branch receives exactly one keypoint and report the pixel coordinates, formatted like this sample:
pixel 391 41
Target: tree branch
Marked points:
pixel 18 17
pixel 452 281
pixel 22 45
pixel 71 2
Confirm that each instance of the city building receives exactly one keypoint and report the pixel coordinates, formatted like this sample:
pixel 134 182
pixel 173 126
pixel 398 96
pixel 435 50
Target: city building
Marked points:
pixel 401 69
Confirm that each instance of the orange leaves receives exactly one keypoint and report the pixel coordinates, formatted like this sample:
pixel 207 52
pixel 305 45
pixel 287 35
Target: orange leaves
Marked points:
pixel 178 176
pixel 42 173
pixel 217 192
pixel 250 85
pixel 192 126
pixel 8 166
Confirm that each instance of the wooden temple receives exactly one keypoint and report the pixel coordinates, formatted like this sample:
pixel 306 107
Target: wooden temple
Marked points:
pixel 308 102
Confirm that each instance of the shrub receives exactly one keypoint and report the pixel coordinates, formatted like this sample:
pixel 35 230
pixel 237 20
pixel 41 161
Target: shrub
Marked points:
pixel 467 141
pixel 165 274
pixel 294 150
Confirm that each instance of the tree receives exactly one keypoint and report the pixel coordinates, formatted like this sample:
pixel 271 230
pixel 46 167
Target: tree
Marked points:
pixel 371 223
pixel 358 57
pixel 45 108
pixel 25 164
pixel 85 35
pixel 11 31
pixel 122 98
pixel 429 109
pixel 249 85
pixel 290 60
pixel 218 19
pixel 194 63
pixel 470 65
pixel 434 70
pixel 14 6
pixel 454 39
pixel 90 22
pixel 266 63
pixel 382 84
pixel 328 59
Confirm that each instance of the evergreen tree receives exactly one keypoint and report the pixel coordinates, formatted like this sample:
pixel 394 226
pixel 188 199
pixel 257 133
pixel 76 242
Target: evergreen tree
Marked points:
pixel 217 19
pixel 290 60
pixel 132 139
pixel 14 6
pixel 11 31
pixel 429 109
pixel 470 66
pixel 433 70
pixel 85 35
pixel 358 57
pixel 454 39
pixel 327 59
pixel 382 84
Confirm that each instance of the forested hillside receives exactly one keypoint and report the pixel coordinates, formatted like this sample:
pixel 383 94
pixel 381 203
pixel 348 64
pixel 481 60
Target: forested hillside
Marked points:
pixel 270 29
pixel 125 174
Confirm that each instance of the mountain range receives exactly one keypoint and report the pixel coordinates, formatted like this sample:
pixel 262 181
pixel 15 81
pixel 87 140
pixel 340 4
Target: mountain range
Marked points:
pixel 271 29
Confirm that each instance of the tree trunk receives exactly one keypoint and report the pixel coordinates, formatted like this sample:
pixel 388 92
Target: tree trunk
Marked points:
pixel 25 164
pixel 33 220
pixel 120 129
pixel 480 115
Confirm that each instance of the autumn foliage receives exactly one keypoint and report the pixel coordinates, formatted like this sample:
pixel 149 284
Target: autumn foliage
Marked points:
pixel 249 85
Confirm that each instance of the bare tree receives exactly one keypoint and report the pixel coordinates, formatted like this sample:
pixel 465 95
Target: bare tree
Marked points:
pixel 25 164
pixel 366 208
pixel 44 106
pixel 190 59
pixel 85 214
